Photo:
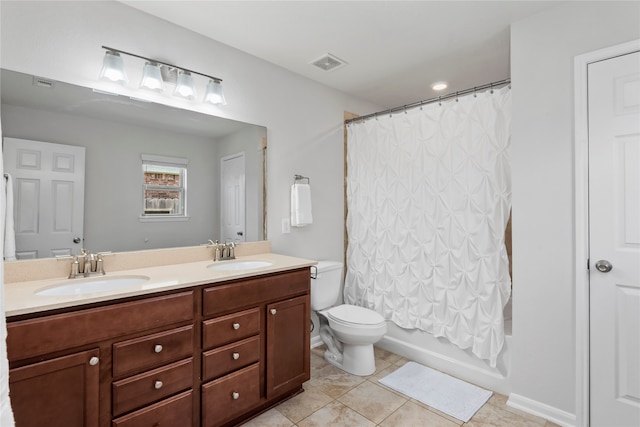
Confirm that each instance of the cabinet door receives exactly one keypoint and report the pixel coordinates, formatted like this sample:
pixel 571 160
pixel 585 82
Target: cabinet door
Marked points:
pixel 61 392
pixel 288 345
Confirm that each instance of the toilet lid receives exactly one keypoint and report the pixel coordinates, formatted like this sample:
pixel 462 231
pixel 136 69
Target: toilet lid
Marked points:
pixel 354 314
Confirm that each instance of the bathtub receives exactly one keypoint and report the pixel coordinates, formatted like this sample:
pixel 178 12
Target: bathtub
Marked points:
pixel 440 354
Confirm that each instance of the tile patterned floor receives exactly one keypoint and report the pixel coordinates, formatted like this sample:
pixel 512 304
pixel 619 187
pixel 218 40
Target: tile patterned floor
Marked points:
pixel 333 397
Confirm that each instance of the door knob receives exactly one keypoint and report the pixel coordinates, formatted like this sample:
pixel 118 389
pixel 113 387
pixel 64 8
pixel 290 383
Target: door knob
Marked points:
pixel 239 233
pixel 604 266
pixel 77 240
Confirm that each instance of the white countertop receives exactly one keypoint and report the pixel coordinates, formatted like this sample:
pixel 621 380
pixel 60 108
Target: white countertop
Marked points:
pixel 21 298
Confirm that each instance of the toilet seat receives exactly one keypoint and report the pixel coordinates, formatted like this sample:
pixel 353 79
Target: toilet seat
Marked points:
pixel 355 316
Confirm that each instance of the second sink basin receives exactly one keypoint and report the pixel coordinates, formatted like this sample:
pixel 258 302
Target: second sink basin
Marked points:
pixel 239 265
pixel 91 285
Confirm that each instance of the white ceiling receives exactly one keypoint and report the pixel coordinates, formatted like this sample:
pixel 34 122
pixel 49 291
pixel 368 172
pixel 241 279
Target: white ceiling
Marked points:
pixel 394 49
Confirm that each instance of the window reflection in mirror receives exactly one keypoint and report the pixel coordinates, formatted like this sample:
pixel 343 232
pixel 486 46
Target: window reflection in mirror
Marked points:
pixel 164 183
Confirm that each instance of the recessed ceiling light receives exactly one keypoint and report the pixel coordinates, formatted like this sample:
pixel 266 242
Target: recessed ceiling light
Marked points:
pixel 439 86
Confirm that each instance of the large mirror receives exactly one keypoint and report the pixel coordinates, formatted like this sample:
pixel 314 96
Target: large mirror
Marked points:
pixel 117 134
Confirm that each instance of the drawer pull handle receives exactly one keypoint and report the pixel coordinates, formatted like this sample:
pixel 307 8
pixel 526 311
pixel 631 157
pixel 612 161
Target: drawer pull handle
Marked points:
pixel 158 385
pixel 235 356
pixel 94 361
pixel 236 326
pixel 235 395
pixel 157 348
pixel 273 311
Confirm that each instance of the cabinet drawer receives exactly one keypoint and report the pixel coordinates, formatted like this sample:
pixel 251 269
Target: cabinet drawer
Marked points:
pixel 28 338
pixel 175 411
pixel 247 293
pixel 139 390
pixel 229 358
pixel 226 329
pixel 229 396
pixel 152 350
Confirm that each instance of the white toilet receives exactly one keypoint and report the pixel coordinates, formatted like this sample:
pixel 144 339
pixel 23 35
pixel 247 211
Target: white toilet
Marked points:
pixel 348 331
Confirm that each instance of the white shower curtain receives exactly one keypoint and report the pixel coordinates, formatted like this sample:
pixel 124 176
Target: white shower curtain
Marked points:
pixel 428 196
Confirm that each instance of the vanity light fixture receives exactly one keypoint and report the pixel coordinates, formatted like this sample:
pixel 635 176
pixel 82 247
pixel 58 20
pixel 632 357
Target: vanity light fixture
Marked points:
pixel 153 73
pixel 214 94
pixel 113 67
pixel 152 77
pixel 438 86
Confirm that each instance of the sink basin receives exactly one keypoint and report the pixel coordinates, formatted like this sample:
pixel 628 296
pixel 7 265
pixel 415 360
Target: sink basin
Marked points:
pixel 91 285
pixel 239 265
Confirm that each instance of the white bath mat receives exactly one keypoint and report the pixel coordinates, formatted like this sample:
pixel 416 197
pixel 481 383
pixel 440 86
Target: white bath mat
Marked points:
pixel 440 391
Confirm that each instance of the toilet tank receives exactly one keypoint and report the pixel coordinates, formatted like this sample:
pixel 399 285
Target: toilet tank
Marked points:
pixel 326 278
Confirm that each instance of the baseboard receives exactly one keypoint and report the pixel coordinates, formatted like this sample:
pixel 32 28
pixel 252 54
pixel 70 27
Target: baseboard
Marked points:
pixel 542 410
pixel 316 341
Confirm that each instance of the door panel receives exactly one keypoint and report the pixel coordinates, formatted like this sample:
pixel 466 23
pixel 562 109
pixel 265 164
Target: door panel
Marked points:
pixel 48 196
pixel 614 222
pixel 233 198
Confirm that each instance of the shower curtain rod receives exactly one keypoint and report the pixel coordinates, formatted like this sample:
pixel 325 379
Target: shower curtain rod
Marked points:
pixel 431 100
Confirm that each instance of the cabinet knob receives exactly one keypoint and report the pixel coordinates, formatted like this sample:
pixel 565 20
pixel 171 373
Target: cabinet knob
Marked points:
pixel 94 361
pixel 157 348
pixel 273 311
pixel 235 356
pixel 158 385
pixel 236 326
pixel 235 395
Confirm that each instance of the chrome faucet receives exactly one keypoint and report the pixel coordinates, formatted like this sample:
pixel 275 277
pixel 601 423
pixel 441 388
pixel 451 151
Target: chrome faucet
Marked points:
pixel 222 251
pixel 87 264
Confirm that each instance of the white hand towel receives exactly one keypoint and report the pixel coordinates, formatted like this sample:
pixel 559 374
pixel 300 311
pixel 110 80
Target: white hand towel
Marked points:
pixel 9 228
pixel 301 205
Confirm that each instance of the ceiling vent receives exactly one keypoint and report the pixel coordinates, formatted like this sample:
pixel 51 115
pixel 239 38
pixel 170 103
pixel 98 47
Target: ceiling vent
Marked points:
pixel 41 82
pixel 328 62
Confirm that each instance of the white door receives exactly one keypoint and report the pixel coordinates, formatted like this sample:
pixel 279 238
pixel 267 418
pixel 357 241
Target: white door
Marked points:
pixel 614 223
pixel 232 201
pixel 48 189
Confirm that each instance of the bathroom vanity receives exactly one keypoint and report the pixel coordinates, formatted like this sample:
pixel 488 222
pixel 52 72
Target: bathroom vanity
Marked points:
pixel 198 354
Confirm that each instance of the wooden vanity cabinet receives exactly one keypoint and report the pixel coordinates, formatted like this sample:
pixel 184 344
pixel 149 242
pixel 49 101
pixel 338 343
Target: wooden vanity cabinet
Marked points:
pixel 60 364
pixel 211 355
pixel 258 332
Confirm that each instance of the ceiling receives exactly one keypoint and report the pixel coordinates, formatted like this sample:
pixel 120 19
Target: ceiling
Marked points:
pixel 394 50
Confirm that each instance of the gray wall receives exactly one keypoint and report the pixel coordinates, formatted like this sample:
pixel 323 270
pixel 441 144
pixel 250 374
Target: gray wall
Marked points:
pixel 304 126
pixel 543 48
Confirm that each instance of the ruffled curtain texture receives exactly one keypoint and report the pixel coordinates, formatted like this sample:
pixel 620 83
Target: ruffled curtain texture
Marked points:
pixel 428 196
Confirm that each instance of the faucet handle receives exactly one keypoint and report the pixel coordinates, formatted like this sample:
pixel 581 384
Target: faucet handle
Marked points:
pixel 230 250
pixel 100 264
pixel 74 267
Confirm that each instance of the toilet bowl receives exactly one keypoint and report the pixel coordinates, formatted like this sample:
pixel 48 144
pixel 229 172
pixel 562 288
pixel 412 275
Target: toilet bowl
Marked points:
pixel 357 329
pixel 349 331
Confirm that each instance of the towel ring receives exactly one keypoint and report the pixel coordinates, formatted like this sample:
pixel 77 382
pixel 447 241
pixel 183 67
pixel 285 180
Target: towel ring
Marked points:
pixel 297 178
